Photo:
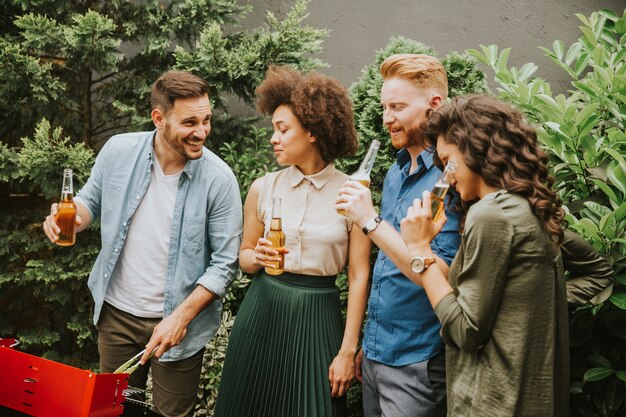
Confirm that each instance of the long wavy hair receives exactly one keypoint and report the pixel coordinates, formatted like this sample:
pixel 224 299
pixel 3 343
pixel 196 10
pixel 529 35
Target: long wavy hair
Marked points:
pixel 499 146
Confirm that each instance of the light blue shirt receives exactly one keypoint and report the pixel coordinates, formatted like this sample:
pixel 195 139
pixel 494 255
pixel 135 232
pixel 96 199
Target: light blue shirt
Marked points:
pixel 205 232
pixel 401 326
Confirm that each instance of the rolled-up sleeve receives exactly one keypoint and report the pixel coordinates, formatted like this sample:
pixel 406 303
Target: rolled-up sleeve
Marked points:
pixel 467 315
pixel 224 223
pixel 589 276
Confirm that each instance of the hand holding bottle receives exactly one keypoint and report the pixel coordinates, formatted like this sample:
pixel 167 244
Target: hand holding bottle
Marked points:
pixel 50 225
pixel 362 175
pixel 265 255
pixel 356 201
pixel 60 225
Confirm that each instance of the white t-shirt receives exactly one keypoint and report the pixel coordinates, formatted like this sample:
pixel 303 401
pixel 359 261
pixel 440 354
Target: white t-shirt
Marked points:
pixel 138 280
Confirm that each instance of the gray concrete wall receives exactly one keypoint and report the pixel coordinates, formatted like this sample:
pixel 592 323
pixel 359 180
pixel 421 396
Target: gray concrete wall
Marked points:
pixel 360 27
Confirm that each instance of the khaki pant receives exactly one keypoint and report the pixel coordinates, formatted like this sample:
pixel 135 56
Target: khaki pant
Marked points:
pixel 174 384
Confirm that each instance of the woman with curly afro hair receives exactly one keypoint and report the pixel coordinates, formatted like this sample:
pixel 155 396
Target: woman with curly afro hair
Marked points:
pixel 503 308
pixel 289 353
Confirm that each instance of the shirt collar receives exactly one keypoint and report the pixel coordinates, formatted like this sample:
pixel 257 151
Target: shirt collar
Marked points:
pixel 318 179
pixel 190 167
pixel 426 157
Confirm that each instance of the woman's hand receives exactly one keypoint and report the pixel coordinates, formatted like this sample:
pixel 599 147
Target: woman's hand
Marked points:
pixel 265 255
pixel 356 200
pixel 418 228
pixel 341 373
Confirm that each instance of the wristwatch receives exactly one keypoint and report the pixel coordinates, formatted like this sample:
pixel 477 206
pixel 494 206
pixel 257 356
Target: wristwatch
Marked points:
pixel 419 264
pixel 372 224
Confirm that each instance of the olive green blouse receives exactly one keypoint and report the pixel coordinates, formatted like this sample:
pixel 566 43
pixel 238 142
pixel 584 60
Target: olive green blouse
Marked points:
pixel 506 322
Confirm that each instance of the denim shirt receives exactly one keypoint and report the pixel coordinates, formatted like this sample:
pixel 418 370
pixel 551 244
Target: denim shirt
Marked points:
pixel 205 231
pixel 401 326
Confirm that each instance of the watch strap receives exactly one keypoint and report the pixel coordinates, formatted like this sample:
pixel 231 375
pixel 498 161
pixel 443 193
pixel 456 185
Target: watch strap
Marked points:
pixel 428 262
pixel 376 220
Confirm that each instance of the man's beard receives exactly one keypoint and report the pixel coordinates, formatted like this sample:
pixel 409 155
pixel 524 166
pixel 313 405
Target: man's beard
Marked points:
pixel 179 147
pixel 413 136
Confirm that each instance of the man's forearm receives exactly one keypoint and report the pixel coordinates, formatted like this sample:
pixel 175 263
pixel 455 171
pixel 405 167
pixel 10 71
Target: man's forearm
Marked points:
pixel 198 300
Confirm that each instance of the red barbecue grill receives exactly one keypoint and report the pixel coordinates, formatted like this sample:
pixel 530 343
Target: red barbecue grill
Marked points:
pixel 39 387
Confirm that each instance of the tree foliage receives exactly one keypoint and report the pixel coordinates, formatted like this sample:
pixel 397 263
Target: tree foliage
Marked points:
pixel 88 66
pixel 584 130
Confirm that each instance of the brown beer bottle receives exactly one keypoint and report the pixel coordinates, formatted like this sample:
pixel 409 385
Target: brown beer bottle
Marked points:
pixel 362 175
pixel 66 214
pixel 438 194
pixel 277 237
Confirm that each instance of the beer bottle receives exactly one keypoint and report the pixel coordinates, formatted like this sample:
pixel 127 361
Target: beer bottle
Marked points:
pixel 66 214
pixel 438 194
pixel 277 237
pixel 362 175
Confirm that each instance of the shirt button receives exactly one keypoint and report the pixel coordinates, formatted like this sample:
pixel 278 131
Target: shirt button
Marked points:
pixel 116 250
pixel 138 197
pixel 124 224
pixel 106 275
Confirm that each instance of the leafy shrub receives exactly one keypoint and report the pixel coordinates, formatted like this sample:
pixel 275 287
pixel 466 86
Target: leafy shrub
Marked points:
pixel 43 288
pixel 584 132
pixel 63 60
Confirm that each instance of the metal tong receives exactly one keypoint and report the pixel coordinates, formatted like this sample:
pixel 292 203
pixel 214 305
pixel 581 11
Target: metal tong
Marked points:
pixel 130 365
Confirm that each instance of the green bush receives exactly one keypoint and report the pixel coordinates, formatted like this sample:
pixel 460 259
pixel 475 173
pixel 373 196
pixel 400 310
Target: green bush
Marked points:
pixel 63 60
pixel 43 288
pixel 463 77
pixel 584 132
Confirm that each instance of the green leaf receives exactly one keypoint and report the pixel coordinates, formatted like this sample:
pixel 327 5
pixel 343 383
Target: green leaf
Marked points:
pixel 493 54
pixel 479 56
pixel 589 36
pixel 617 175
pixel 621 375
pixel 526 71
pixel 619 299
pixel 600 361
pixel 617 156
pixel 558 49
pixel 606 189
pixel 572 53
pixel 621 278
pixel 581 63
pixel 608 13
pixel 502 60
pixel 597 374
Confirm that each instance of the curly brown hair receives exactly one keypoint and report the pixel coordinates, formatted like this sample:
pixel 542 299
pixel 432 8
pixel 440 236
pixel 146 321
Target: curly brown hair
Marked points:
pixel 503 149
pixel 320 103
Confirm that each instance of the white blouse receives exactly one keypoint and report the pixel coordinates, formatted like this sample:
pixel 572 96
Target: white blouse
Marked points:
pixel 315 234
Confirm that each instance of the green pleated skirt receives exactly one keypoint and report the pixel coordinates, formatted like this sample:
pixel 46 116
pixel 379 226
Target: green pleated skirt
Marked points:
pixel 285 336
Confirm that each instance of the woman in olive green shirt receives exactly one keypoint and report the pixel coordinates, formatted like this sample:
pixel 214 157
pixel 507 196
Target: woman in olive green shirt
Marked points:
pixel 503 308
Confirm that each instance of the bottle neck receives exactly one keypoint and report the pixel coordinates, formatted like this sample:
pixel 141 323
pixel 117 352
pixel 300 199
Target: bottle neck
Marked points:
pixel 368 161
pixel 67 196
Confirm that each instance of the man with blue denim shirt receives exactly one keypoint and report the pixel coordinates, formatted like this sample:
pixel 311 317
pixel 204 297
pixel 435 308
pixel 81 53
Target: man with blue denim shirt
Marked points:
pixel 401 363
pixel 170 214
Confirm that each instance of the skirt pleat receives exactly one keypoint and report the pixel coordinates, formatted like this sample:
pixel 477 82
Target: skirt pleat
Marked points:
pixel 285 336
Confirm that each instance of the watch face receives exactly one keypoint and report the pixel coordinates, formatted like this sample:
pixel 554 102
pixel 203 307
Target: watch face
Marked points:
pixel 417 265
pixel 370 224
